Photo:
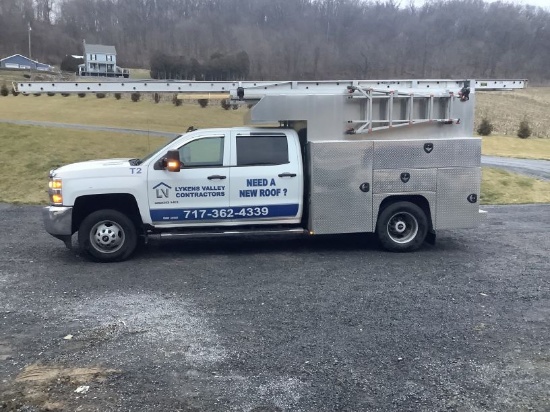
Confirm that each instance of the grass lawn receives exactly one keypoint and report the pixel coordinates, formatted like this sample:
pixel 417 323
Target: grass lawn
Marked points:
pixel 140 74
pixel 145 114
pixel 7 76
pixel 508 146
pixel 502 187
pixel 29 152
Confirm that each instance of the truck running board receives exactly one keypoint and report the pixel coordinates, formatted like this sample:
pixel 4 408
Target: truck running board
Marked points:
pixel 229 232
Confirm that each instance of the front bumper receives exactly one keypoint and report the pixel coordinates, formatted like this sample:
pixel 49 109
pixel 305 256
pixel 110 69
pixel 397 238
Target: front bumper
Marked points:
pixel 58 221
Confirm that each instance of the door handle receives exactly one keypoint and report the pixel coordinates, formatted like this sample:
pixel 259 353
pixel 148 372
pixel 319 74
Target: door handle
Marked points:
pixel 220 177
pixel 287 175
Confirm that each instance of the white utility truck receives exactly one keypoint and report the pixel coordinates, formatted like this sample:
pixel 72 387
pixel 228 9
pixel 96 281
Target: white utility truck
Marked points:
pixel 394 157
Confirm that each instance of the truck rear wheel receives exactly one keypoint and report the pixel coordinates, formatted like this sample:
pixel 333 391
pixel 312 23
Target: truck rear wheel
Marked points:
pixel 107 236
pixel 402 227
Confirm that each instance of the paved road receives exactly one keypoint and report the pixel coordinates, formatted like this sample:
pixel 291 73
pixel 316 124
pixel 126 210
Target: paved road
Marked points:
pixel 316 324
pixel 534 168
pixel 89 127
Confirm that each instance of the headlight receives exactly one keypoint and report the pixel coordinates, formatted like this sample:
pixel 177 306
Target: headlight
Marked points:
pixel 55 191
pixel 55 184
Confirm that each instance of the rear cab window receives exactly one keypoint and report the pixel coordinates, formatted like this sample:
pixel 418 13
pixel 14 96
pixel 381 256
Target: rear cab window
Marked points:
pixel 262 150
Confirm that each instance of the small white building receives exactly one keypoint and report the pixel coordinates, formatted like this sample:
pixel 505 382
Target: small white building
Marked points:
pixel 18 61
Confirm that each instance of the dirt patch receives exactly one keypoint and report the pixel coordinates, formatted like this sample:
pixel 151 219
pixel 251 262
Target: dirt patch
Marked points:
pixel 40 373
pixel 522 382
pixel 53 388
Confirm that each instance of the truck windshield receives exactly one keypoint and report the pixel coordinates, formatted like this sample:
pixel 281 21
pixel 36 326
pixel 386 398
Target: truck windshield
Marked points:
pixel 140 161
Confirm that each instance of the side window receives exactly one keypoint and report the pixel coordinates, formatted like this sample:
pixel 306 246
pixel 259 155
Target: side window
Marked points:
pixel 262 150
pixel 204 152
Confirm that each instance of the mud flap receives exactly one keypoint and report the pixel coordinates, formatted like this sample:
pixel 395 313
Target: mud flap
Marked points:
pixel 67 239
pixel 430 237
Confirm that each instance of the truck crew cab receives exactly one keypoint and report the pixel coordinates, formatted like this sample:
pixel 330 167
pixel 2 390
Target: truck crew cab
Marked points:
pixel 392 157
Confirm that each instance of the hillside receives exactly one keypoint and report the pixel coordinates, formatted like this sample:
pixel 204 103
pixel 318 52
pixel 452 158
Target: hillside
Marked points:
pixel 280 39
pixel 505 110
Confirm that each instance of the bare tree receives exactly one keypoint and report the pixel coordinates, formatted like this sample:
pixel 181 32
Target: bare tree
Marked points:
pixel 293 38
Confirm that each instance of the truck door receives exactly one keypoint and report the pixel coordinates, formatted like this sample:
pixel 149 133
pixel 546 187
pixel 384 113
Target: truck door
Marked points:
pixel 199 192
pixel 266 177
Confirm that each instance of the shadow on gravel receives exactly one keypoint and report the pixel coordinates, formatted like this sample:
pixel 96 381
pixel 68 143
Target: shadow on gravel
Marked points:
pixel 250 244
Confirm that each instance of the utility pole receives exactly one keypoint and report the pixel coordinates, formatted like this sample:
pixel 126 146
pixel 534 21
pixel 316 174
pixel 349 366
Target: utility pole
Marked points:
pixel 30 58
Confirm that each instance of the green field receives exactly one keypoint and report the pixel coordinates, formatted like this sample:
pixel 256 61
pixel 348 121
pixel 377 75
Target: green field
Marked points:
pixel 7 76
pixel 144 115
pixel 502 187
pixel 509 146
pixel 28 153
pixel 140 74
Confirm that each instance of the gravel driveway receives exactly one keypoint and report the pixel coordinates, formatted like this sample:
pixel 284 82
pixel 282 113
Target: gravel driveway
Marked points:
pixel 316 324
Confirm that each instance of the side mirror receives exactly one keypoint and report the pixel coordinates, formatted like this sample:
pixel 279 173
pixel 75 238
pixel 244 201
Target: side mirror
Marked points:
pixel 172 161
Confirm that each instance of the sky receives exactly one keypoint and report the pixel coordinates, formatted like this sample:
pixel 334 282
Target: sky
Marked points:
pixel 540 3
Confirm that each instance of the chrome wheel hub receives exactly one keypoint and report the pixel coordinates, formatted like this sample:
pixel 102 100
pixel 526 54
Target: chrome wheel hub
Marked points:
pixel 402 227
pixel 107 236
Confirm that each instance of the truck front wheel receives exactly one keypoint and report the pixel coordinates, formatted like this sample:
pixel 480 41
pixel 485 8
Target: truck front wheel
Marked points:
pixel 107 236
pixel 402 227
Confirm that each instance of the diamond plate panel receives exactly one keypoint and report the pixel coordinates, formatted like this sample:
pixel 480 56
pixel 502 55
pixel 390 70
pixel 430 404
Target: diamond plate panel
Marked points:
pixel 378 199
pixel 389 180
pixel 337 170
pixel 454 185
pixel 459 152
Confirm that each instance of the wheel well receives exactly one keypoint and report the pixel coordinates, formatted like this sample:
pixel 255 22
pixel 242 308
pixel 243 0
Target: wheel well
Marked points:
pixel 122 202
pixel 418 200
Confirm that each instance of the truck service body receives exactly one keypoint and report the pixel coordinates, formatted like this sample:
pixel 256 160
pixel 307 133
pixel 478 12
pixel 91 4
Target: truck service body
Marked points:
pixel 393 157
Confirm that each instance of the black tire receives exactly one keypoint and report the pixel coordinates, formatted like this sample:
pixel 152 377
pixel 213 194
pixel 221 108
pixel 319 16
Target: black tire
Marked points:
pixel 402 227
pixel 107 236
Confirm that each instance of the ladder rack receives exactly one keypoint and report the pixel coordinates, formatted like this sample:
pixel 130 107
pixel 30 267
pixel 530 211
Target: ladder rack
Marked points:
pixel 383 104
pixel 254 89
pixel 409 102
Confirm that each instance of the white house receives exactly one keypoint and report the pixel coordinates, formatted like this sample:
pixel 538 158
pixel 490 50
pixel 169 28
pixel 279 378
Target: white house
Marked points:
pixel 100 60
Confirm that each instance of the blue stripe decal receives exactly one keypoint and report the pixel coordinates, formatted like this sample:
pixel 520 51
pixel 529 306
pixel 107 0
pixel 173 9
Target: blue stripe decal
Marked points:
pixel 224 213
